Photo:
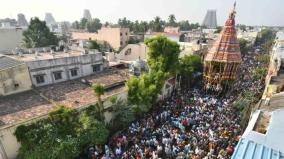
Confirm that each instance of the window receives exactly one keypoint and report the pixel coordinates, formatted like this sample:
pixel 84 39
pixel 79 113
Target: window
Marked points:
pixel 126 34
pixel 16 85
pixel 96 68
pixel 39 79
pixel 74 72
pixel 57 75
pixel 120 34
pixel 127 52
pixel 121 43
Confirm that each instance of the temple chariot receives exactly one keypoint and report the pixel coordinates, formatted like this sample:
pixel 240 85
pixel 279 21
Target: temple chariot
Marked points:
pixel 223 59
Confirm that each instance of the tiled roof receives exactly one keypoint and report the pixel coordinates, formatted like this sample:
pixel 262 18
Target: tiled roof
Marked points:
pixel 41 100
pixel 247 149
pixel 7 62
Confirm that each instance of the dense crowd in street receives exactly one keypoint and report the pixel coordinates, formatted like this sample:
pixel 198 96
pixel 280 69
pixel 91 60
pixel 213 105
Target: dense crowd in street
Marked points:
pixel 188 125
pixel 246 70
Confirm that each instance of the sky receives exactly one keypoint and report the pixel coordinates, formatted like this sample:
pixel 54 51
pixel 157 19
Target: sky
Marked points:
pixel 249 12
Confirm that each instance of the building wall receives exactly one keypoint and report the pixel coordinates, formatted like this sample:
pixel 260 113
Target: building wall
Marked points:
pixel 83 64
pixel 132 52
pixel 14 80
pixel 10 38
pixel 83 36
pixel 116 37
pixel 171 29
pixel 174 38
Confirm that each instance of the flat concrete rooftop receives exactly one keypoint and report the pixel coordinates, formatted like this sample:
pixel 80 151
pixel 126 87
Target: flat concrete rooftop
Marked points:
pixel 45 55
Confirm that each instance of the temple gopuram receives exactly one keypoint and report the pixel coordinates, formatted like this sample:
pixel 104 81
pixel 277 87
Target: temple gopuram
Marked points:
pixel 223 59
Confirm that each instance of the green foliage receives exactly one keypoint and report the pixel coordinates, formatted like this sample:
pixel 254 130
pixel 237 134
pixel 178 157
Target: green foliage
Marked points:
pixel 157 25
pixel 259 73
pixel 76 25
pixel 188 65
pixel 93 44
pixel 172 21
pixel 125 23
pixel 113 99
pixel 243 27
pixel 123 116
pixel 83 23
pixel 186 26
pixel 94 25
pixel 99 91
pixel 162 54
pixel 60 136
pixel 264 59
pixel 143 91
pixel 243 46
pixel 265 39
pixel 38 35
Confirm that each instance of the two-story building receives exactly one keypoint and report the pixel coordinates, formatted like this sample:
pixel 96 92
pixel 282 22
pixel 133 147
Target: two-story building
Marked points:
pixel 116 37
pixel 53 67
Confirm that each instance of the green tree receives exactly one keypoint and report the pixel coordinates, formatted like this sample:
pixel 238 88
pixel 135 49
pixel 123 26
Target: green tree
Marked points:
pixel 123 116
pixel 172 20
pixel 83 23
pixel 143 26
pixel 163 54
pixel 99 91
pixel 93 44
pixel 60 136
pixel 143 91
pixel 263 36
pixel 76 25
pixel 94 25
pixel 157 24
pixel 125 23
pixel 38 35
pixel 188 65
pixel 243 46
pixel 184 25
pixel 243 27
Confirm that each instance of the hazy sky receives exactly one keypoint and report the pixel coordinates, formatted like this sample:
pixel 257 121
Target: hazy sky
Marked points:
pixel 249 12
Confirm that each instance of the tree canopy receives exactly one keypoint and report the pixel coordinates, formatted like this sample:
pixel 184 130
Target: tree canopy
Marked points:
pixel 172 21
pixel 163 54
pixel 244 48
pixel 188 65
pixel 143 91
pixel 60 136
pixel 94 25
pixel 265 39
pixel 162 60
pixel 38 35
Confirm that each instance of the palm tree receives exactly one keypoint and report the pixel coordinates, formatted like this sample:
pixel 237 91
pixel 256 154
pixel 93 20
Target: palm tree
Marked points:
pixel 99 91
pixel 172 20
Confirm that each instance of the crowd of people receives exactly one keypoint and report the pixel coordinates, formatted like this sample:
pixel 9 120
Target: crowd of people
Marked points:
pixel 249 63
pixel 188 125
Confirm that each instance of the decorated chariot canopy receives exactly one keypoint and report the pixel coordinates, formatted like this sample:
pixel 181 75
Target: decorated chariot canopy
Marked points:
pixel 222 60
pixel 226 49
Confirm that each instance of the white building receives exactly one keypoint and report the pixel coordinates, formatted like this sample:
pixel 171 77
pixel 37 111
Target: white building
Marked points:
pixel 49 68
pixel 263 137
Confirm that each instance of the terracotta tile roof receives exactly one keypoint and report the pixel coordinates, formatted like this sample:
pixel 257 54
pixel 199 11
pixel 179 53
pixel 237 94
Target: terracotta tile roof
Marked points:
pixel 42 100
